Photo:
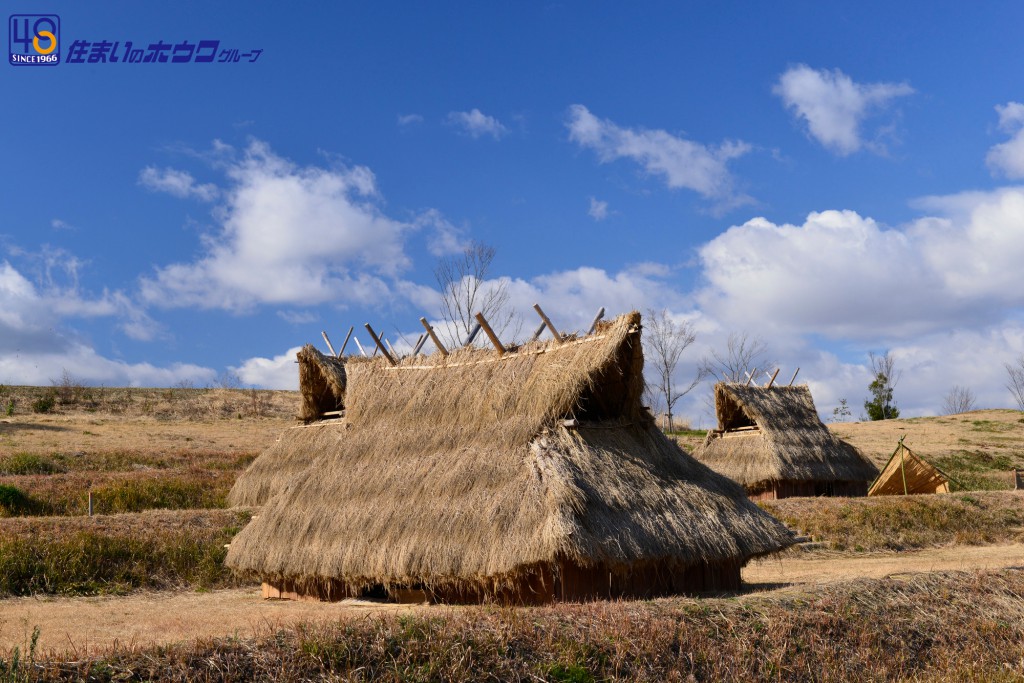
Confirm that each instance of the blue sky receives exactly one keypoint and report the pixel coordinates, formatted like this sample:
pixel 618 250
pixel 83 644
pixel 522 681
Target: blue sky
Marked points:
pixel 833 179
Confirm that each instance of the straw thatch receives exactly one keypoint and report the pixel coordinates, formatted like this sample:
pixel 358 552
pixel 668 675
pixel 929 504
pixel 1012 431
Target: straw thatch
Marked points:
pixel 290 455
pixel 907 473
pixel 322 383
pixel 459 475
pixel 770 440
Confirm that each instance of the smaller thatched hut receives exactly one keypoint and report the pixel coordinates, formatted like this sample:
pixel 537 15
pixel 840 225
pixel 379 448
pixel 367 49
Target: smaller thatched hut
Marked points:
pixel 322 382
pixel 770 440
pixel 906 473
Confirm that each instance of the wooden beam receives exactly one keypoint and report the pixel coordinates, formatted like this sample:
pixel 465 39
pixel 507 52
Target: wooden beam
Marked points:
pixel 359 346
pixel 539 330
pixel 341 352
pixel 794 377
pixel 750 377
pixel 597 319
pixel 420 341
pixel 772 380
pixel 547 321
pixel 433 337
pixel 326 339
pixel 482 322
pixel 472 335
pixel 391 348
pixel 380 344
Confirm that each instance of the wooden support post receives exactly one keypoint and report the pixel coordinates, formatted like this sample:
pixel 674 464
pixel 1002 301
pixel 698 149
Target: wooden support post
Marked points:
pixel 90 503
pixel 341 351
pixel 750 377
pixel 903 472
pixel 327 339
pixel 433 337
pixel 547 321
pixel 539 330
pixel 420 341
pixel 772 380
pixel 499 347
pixel 597 319
pixel 794 377
pixel 472 335
pixel 360 346
pixel 390 348
pixel 380 344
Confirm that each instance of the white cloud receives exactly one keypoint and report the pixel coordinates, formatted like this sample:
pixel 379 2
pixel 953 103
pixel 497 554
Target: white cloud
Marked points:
pixel 405 120
pixel 834 106
pixel 845 276
pixel 680 162
pixel 58 224
pixel 445 238
pixel 35 345
pixel 298 317
pixel 177 183
pixel 279 372
pixel 289 235
pixel 476 124
pixel 1007 158
pixel 598 209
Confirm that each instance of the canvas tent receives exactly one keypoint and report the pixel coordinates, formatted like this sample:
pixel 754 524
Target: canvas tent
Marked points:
pixel 322 383
pixel 530 476
pixel 771 440
pixel 907 473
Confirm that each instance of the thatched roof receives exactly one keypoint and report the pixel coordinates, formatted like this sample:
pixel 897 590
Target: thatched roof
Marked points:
pixel 322 383
pixel 290 455
pixel 459 471
pixel 772 434
pixel 908 473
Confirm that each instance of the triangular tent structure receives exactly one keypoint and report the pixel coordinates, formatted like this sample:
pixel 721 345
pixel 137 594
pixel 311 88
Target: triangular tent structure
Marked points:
pixel 526 475
pixel 771 440
pixel 322 383
pixel 907 473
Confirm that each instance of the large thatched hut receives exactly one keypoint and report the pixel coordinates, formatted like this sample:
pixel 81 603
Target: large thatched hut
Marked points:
pixel 771 440
pixel 531 476
pixel 906 474
pixel 322 383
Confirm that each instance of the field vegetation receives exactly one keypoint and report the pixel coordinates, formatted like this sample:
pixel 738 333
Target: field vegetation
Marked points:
pixel 159 463
pixel 965 626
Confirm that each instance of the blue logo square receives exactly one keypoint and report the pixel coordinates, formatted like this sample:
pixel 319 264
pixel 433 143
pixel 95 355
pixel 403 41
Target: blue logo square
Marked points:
pixel 34 39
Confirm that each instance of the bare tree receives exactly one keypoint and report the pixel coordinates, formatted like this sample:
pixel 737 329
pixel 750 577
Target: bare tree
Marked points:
pixel 880 405
pixel 465 291
pixel 666 340
pixel 1016 381
pixel 742 355
pixel 958 400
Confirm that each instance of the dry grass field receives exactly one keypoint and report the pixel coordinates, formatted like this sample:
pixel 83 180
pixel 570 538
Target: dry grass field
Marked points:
pixel 926 588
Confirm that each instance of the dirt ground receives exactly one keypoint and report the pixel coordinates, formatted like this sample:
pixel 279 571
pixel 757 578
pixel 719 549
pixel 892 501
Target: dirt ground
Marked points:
pixel 90 625
pixel 86 433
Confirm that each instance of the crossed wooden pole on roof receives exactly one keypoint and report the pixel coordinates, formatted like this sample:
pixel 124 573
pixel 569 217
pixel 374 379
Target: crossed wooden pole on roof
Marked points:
pixel 388 351
pixel 771 378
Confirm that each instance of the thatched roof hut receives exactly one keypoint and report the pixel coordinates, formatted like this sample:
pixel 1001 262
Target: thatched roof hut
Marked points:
pixel 770 440
pixel 907 473
pixel 532 476
pixel 322 382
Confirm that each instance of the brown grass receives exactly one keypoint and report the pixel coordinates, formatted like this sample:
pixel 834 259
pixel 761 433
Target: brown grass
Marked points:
pixel 896 523
pixel 937 627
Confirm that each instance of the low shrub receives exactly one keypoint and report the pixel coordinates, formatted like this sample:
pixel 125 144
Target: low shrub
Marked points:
pixel 13 502
pixel 88 562
pixel 44 404
pixel 136 495
pixel 28 463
